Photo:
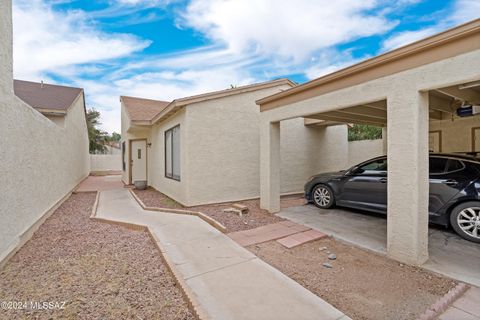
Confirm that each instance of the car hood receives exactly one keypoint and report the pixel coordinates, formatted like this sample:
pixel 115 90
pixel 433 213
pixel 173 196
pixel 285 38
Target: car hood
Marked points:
pixel 328 175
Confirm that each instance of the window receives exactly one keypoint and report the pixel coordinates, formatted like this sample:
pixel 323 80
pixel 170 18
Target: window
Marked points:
pixel 454 165
pixel 124 164
pixel 376 166
pixel 172 153
pixel 437 165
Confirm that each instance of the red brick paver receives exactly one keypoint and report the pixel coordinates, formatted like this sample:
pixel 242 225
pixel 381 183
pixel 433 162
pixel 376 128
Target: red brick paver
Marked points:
pixel 266 233
pixel 100 183
pixel 301 238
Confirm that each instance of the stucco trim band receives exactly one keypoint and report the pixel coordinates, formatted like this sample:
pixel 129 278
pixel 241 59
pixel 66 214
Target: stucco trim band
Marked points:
pixel 29 232
pixel 214 223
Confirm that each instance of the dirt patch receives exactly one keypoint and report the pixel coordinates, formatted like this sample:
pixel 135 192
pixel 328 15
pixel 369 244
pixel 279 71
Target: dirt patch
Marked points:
pixel 255 217
pixel 101 271
pixel 154 198
pixel 361 284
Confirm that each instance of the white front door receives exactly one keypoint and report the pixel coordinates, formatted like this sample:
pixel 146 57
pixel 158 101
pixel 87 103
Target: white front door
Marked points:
pixel 138 156
pixel 476 139
pixel 434 141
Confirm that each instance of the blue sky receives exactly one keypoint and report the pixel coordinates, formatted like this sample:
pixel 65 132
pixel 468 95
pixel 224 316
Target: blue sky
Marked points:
pixel 167 49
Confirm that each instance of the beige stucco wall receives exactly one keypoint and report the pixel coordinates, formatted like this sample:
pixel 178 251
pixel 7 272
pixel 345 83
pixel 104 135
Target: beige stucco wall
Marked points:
pixel 359 151
pixel 457 133
pixel 156 166
pixel 105 162
pixel 223 149
pixel 40 162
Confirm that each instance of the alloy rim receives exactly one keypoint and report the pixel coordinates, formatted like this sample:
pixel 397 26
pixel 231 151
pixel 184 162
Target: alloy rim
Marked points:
pixel 469 221
pixel 322 196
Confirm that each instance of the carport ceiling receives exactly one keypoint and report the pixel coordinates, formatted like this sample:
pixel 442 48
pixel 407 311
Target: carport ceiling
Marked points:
pixel 443 102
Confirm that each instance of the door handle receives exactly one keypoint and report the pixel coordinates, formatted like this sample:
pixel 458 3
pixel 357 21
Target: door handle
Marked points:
pixel 383 180
pixel 450 182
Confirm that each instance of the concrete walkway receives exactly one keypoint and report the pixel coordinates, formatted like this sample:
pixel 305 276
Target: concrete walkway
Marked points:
pixel 449 254
pixel 100 183
pixel 228 281
pixel 467 307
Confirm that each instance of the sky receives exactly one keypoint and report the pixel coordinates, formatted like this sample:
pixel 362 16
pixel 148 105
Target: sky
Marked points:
pixel 167 49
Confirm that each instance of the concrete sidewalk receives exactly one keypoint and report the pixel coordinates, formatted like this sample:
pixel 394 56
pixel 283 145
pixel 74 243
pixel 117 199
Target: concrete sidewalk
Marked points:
pixel 228 281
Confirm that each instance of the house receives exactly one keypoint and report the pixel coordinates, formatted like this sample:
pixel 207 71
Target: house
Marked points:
pixel 55 102
pixel 44 143
pixel 205 148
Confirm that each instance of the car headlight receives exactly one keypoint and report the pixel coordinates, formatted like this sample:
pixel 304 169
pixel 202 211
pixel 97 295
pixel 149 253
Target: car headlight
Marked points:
pixel 310 179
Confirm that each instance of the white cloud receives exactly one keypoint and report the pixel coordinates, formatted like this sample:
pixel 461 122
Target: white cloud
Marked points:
pixel 462 11
pixel 287 28
pixel 47 40
pixel 163 85
pixel 406 37
pixel 465 10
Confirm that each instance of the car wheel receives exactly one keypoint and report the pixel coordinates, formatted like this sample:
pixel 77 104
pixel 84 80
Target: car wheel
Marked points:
pixel 465 220
pixel 323 196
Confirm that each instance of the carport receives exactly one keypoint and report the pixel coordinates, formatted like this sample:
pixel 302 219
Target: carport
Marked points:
pixel 404 90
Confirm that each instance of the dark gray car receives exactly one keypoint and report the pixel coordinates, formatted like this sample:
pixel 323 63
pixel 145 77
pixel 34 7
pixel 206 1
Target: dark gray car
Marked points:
pixel 454 197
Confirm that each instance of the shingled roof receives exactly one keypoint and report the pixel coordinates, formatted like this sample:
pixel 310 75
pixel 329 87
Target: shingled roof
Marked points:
pixel 139 109
pixel 46 97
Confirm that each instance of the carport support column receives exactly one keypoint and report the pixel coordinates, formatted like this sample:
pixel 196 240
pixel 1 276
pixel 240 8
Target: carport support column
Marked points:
pixel 407 141
pixel 270 166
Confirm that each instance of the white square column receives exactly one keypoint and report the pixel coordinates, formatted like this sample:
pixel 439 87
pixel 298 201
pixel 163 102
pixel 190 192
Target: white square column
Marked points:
pixel 270 166
pixel 408 179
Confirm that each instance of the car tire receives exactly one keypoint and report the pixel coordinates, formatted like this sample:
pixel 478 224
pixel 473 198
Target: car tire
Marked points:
pixel 323 197
pixel 465 220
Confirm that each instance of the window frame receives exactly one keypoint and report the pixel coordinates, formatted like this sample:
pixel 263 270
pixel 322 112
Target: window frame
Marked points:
pixel 124 162
pixel 171 130
pixel 447 163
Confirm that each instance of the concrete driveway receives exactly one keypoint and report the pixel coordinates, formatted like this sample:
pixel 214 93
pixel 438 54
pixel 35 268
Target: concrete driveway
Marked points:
pixel 449 254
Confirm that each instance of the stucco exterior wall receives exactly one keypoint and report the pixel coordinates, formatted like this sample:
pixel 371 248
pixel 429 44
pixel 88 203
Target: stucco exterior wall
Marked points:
pixel 223 149
pixel 359 151
pixel 305 151
pixel 156 156
pixel 457 133
pixel 40 162
pixel 105 162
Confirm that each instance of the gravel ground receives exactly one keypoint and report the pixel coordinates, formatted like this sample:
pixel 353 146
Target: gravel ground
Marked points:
pixel 255 217
pixel 101 271
pixel 361 284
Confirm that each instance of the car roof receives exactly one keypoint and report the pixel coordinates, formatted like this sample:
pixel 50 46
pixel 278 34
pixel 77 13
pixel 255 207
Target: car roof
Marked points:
pixel 458 156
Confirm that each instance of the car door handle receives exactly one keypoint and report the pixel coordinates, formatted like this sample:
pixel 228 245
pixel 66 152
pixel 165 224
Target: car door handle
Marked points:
pixel 450 182
pixel 383 180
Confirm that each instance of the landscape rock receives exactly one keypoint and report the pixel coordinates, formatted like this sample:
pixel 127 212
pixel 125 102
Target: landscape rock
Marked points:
pixel 327 265
pixel 332 256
